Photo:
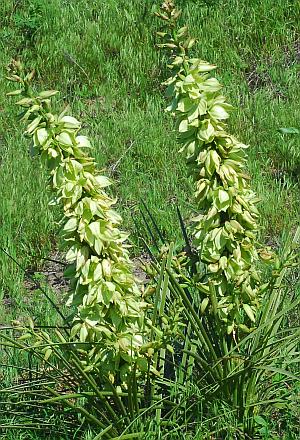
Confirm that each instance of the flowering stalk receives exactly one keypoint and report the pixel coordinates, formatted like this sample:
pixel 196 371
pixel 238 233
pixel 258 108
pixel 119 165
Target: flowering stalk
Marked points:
pixel 225 230
pixel 108 301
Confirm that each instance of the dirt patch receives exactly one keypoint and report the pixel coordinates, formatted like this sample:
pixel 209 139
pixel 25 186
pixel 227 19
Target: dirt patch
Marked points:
pixel 50 277
pixel 292 54
pixel 138 270
pixel 297 50
pixel 257 80
pixel 52 274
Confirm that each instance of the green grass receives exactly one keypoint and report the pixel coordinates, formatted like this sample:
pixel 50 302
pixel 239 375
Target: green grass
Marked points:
pixel 101 55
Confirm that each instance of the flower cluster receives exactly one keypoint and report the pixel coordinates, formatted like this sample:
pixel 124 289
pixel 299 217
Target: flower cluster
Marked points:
pixel 225 229
pixel 109 318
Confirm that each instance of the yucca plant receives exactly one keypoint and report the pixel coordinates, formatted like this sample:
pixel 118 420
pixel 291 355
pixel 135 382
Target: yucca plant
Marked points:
pixel 100 365
pixel 238 341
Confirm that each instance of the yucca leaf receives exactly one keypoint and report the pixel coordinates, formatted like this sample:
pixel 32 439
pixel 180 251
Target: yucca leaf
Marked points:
pixel 156 227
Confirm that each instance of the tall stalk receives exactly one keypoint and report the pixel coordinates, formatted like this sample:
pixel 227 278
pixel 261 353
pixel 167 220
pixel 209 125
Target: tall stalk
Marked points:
pixel 104 292
pixel 225 231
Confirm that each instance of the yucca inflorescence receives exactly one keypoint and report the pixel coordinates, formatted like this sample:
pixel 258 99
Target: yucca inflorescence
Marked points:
pixel 109 306
pixel 226 228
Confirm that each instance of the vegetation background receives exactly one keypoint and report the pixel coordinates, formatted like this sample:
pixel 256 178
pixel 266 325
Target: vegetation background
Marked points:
pixel 101 55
